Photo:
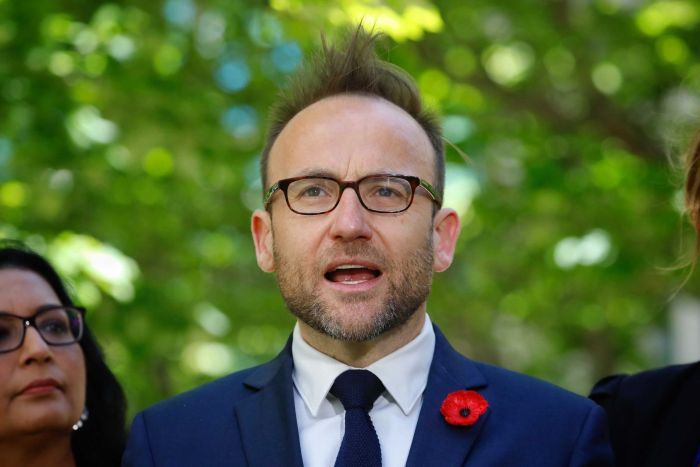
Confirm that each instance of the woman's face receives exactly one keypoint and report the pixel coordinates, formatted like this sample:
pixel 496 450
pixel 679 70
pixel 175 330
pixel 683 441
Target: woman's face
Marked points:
pixel 42 387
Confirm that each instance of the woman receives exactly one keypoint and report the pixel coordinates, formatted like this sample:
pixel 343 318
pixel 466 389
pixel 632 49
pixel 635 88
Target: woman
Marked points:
pixel 59 403
pixel 654 416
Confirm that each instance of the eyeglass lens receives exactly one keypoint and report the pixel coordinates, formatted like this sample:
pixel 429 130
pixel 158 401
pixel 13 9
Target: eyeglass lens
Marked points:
pixel 57 326
pixel 384 194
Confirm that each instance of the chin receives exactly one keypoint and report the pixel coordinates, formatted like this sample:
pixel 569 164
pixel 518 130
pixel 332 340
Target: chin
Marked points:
pixel 358 332
pixel 48 419
pixel 357 317
pixel 359 325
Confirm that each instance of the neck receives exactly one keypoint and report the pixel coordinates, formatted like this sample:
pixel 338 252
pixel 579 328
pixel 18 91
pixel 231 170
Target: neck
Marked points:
pixel 363 354
pixel 37 450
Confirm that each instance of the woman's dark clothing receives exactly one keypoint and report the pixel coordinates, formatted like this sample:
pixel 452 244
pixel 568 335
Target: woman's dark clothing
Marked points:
pixel 654 416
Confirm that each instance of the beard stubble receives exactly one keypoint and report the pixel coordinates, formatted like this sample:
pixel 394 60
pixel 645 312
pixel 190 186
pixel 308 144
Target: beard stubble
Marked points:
pixel 408 286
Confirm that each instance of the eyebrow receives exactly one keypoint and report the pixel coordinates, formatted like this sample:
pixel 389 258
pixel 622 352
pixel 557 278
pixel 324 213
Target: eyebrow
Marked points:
pixel 48 306
pixel 314 172
pixel 39 309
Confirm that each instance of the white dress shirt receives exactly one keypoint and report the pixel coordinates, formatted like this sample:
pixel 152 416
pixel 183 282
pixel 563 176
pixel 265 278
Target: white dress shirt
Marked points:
pixel 321 416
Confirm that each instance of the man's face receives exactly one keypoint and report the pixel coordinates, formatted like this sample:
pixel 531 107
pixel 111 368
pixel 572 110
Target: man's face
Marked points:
pixel 350 273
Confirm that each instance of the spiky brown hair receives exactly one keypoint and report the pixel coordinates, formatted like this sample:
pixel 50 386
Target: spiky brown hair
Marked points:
pixel 352 68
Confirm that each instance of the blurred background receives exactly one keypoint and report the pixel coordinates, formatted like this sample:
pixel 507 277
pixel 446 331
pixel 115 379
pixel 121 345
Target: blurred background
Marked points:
pixel 130 134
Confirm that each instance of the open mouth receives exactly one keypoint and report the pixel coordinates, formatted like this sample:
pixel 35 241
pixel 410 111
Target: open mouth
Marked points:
pixel 351 274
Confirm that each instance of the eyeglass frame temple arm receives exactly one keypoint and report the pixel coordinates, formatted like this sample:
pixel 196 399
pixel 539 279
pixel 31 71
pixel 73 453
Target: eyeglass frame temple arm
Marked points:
pixel 429 188
pixel 269 193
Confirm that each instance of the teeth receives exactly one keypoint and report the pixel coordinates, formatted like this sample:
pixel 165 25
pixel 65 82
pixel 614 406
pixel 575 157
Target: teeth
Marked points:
pixel 352 282
pixel 350 266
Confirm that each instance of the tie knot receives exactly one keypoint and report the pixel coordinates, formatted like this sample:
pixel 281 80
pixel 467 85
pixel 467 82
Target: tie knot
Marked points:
pixel 357 389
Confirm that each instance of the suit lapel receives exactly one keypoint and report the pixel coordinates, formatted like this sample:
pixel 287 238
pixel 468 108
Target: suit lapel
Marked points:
pixel 267 419
pixel 436 442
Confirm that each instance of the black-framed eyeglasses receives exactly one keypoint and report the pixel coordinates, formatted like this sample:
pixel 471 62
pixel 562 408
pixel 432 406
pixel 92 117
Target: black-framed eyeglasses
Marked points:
pixel 56 324
pixel 377 193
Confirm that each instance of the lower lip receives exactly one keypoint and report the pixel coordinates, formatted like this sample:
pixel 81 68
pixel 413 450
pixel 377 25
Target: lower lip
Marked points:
pixel 40 390
pixel 356 287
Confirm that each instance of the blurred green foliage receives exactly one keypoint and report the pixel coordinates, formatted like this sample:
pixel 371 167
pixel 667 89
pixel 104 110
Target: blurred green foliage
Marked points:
pixel 130 134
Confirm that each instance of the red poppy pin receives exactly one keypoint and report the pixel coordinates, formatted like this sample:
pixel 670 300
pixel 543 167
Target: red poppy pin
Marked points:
pixel 463 407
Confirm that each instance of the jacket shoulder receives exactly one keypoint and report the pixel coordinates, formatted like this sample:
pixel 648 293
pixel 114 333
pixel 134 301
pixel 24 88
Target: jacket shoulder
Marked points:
pixel 229 389
pixel 645 387
pixel 523 408
pixel 514 392
pixel 535 393
pixel 200 422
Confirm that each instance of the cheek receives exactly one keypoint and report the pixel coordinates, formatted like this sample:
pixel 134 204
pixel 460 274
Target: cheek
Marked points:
pixel 297 239
pixel 402 233
pixel 7 367
pixel 72 362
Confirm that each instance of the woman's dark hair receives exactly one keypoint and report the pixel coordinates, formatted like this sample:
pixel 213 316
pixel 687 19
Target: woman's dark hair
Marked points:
pixel 101 440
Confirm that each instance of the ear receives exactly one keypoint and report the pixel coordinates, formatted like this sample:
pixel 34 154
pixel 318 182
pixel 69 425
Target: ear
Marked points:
pixel 261 228
pixel 446 229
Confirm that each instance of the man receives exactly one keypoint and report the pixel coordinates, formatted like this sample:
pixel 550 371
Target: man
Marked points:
pixel 353 227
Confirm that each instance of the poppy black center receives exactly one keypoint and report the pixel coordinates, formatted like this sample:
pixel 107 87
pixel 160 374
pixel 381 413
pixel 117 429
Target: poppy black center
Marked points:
pixel 464 412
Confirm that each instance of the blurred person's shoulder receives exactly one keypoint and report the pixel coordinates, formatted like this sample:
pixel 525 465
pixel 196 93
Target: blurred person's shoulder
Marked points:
pixel 653 416
pixel 649 386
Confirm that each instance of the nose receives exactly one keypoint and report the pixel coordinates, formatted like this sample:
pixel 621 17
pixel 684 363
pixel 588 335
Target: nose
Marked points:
pixel 34 349
pixel 350 218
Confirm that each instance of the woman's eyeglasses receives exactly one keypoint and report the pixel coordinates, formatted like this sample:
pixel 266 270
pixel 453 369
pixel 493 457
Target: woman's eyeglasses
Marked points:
pixel 56 324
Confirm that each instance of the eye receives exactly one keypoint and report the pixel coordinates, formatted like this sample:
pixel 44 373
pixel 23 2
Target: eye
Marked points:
pixel 55 327
pixel 9 327
pixel 312 191
pixel 385 192
pixel 5 332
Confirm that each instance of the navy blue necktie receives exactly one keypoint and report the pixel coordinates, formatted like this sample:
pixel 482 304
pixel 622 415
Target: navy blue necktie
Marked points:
pixel 357 390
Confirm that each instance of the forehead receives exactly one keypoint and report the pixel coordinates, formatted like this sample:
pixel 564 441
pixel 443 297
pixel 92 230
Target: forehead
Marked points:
pixel 23 291
pixel 350 136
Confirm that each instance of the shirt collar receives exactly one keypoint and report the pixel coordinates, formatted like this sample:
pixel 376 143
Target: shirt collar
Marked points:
pixel 403 372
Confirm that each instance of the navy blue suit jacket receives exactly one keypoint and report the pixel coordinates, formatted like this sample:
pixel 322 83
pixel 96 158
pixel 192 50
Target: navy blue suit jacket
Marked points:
pixel 248 419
